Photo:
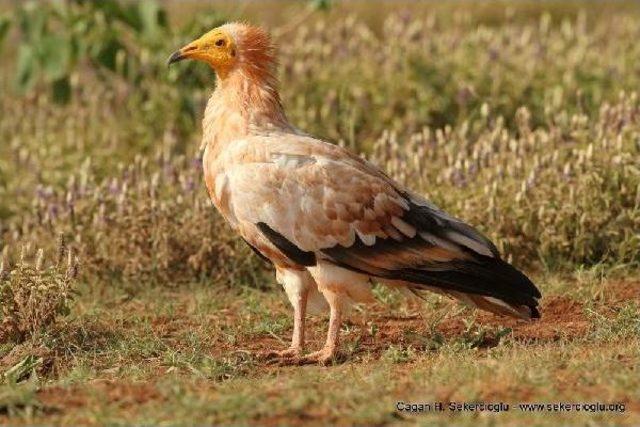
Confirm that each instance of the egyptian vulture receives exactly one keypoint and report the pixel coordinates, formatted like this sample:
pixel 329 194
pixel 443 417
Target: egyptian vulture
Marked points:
pixel 328 220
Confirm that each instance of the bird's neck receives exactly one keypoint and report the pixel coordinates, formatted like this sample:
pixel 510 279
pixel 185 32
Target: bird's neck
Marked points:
pixel 243 103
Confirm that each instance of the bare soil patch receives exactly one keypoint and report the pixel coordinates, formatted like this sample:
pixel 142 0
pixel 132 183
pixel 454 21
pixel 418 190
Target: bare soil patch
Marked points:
pixel 125 394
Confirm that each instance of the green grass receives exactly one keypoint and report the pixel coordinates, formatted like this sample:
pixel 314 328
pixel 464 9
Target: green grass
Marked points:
pixel 188 356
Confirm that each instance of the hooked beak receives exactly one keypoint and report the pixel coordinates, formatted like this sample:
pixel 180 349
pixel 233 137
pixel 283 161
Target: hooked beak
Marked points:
pixel 176 57
pixel 185 52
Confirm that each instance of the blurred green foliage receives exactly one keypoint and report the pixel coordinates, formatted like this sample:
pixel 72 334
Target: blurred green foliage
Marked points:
pixel 5 24
pixel 109 40
pixel 433 70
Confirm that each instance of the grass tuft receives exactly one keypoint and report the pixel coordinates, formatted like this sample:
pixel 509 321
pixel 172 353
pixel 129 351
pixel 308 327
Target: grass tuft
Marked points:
pixel 33 295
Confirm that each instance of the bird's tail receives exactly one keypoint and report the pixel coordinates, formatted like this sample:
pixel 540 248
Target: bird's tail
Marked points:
pixel 494 286
pixel 486 303
pixel 498 306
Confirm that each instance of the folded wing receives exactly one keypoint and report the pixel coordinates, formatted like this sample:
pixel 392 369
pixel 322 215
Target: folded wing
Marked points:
pixel 314 201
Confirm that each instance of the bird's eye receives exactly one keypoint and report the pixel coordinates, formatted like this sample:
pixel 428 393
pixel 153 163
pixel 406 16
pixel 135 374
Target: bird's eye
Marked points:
pixel 220 42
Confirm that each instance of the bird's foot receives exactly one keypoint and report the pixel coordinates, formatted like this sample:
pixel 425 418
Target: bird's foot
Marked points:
pixel 322 357
pixel 272 355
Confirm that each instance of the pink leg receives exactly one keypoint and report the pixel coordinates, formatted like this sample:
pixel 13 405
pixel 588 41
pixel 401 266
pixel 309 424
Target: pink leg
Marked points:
pixel 299 303
pixel 297 340
pixel 327 353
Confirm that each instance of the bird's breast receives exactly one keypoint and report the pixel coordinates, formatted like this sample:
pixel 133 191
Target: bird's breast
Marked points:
pixel 217 183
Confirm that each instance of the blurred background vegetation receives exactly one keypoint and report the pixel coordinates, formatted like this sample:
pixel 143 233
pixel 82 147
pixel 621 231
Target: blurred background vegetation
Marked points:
pixel 520 117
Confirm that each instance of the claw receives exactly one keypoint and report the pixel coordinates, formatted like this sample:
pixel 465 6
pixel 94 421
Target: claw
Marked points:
pixel 290 353
pixel 322 357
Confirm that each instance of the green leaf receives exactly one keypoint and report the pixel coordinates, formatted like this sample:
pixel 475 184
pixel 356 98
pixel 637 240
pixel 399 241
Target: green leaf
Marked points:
pixel 26 68
pixel 60 7
pixel 61 90
pixel 55 56
pixel 33 19
pixel 111 9
pixel 153 18
pixel 131 16
pixel 106 55
pixel 22 369
pixel 5 24
pixel 321 4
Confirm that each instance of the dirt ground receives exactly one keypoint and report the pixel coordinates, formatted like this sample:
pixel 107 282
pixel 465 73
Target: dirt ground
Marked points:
pixel 160 357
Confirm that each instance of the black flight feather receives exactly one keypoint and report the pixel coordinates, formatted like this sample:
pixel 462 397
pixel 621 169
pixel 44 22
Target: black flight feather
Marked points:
pixel 289 249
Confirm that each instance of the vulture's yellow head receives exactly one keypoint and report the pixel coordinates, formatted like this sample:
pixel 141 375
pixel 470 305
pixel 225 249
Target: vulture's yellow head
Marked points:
pixel 229 47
